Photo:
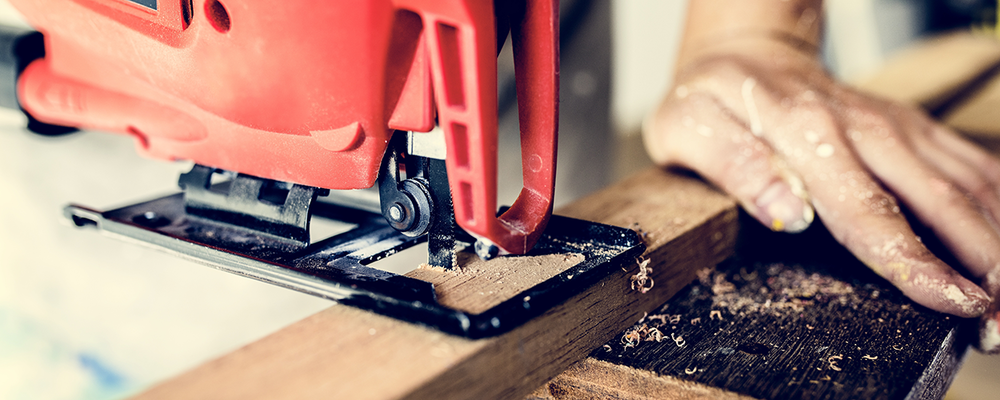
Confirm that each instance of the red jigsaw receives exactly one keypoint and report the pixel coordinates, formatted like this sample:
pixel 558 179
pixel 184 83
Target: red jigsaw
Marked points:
pixel 290 99
pixel 308 92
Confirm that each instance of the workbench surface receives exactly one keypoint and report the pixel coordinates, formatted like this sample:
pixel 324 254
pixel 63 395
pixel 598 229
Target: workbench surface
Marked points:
pixel 788 317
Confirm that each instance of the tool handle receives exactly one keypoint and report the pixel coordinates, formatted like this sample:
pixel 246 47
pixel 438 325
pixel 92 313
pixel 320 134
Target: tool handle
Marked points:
pixel 535 35
pixel 463 61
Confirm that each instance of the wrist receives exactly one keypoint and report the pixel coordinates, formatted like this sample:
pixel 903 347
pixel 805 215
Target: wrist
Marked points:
pixel 780 48
pixel 751 28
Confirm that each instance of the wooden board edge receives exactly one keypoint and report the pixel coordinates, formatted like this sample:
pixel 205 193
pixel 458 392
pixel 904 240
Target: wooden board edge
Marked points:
pixel 934 382
pixel 595 379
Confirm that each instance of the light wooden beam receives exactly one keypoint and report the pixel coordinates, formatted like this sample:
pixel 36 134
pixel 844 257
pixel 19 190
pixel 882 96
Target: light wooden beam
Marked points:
pixel 345 353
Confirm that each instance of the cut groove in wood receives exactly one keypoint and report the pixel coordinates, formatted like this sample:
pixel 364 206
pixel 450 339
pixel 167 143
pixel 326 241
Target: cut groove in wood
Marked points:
pixel 480 285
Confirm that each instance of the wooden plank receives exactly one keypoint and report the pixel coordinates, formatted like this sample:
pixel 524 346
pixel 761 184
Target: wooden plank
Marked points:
pixel 977 115
pixel 956 77
pixel 789 317
pixel 346 353
pixel 935 71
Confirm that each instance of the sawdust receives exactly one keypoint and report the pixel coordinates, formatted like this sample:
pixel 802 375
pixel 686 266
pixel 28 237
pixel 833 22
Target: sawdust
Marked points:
pixel 595 248
pixel 721 286
pixel 478 285
pixel 783 290
pixel 971 303
pixel 989 340
pixel 594 379
pixel 953 293
pixel 776 289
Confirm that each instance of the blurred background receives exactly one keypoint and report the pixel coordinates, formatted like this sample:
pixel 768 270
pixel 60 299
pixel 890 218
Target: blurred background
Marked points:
pixel 84 316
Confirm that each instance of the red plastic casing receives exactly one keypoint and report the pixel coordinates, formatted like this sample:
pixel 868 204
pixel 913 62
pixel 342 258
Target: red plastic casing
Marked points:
pixel 308 91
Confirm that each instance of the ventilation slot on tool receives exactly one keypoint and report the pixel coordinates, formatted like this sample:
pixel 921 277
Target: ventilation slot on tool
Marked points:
pixel 460 135
pixel 217 15
pixel 451 65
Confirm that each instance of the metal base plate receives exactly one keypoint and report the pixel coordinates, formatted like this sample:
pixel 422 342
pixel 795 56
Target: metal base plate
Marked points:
pixel 337 268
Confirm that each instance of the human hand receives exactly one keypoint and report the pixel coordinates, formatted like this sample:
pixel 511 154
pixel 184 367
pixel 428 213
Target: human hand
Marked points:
pixel 763 121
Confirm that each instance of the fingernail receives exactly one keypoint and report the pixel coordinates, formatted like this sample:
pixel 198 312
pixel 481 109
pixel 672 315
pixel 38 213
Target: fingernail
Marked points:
pixel 976 300
pixel 786 211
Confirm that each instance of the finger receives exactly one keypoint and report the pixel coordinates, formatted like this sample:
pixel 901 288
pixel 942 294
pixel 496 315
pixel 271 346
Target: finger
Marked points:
pixel 965 164
pixel 861 214
pixel 967 178
pixel 988 168
pixel 856 209
pixel 974 171
pixel 695 133
pixel 935 197
pixel 963 174
pixel 940 205
pixel 982 161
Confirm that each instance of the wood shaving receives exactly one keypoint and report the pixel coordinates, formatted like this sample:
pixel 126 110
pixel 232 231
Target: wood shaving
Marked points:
pixel 722 286
pixel 833 361
pixel 678 339
pixel 654 335
pixel 777 289
pixel 641 281
pixel 643 319
pixel 641 333
pixel 630 339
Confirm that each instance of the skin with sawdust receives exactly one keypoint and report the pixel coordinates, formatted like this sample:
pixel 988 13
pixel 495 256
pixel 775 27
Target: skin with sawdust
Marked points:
pixel 754 111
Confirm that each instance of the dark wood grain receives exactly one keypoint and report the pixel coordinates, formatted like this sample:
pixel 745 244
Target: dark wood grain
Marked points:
pixel 791 317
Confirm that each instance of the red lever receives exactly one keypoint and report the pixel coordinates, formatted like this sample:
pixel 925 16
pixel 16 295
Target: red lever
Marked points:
pixel 463 60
